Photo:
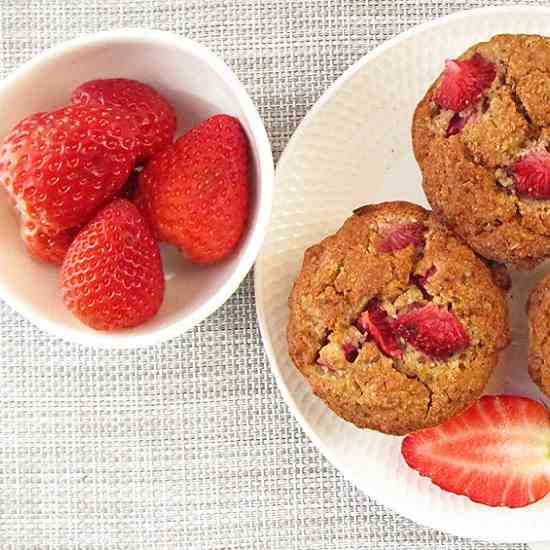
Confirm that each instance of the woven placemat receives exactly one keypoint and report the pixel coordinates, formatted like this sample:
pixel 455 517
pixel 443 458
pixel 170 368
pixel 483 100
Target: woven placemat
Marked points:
pixel 188 444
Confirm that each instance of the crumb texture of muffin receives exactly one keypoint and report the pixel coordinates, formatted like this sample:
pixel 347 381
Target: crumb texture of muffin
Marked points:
pixel 396 323
pixel 538 314
pixel 481 136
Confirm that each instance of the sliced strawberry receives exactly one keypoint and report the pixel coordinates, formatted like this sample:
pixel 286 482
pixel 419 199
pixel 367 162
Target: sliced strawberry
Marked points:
pixel 464 81
pixel 401 235
pixel 421 280
pixel 326 366
pixel 378 324
pixel 531 175
pixel 456 125
pixel 350 351
pixel 432 330
pixel 495 453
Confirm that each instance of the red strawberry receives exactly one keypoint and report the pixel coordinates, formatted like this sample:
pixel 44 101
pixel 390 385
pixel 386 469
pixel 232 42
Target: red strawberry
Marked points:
pixel 401 235
pixel 432 330
pixel 154 116
pixel 421 280
pixel 495 453
pixel 46 248
pixel 531 175
pixel 456 125
pixel 351 351
pixel 112 275
pixel 464 81
pixel 60 167
pixel 377 323
pixel 195 194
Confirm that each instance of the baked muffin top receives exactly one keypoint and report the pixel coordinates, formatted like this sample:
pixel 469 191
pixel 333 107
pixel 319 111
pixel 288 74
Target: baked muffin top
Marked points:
pixel 396 323
pixel 481 136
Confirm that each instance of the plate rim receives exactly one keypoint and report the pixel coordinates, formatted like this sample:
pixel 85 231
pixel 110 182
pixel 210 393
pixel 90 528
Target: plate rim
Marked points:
pixel 475 532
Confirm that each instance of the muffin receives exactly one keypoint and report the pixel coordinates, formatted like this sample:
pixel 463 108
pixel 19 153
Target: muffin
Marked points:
pixel 395 323
pixel 481 136
pixel 538 315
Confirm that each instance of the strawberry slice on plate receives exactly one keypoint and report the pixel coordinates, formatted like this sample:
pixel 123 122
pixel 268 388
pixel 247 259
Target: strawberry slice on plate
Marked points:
pixel 531 175
pixel 464 81
pixel 496 453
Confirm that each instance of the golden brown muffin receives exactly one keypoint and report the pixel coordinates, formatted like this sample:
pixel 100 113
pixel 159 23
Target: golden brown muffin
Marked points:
pixel 395 323
pixel 538 314
pixel 485 160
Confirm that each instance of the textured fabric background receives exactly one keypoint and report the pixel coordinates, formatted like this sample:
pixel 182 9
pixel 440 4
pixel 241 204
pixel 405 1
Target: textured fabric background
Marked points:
pixel 189 444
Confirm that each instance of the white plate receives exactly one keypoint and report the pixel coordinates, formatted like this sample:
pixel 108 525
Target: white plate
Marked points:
pixel 354 148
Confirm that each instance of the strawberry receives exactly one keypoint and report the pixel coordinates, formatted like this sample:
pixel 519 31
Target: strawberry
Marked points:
pixel 60 167
pixel 464 81
pixel 195 193
pixel 531 175
pixel 432 330
pixel 376 322
pixel 46 248
pixel 456 125
pixel 154 116
pixel 495 453
pixel 112 276
pixel 351 351
pixel 400 236
pixel 421 280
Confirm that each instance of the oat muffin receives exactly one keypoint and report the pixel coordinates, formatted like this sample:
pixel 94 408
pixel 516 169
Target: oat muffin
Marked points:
pixel 481 136
pixel 538 313
pixel 395 323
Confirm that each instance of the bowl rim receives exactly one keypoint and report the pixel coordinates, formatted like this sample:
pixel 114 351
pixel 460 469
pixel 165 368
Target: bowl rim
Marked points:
pixel 475 532
pixel 257 230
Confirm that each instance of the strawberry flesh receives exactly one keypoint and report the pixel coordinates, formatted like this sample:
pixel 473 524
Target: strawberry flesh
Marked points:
pixel 378 324
pixel 464 81
pixel 432 330
pixel 456 125
pixel 421 280
pixel 350 351
pixel 495 453
pixel 531 175
pixel 400 236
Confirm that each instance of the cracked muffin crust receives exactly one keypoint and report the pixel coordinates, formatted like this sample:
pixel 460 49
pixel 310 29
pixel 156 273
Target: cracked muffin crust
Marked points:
pixel 481 136
pixel 394 322
pixel 538 315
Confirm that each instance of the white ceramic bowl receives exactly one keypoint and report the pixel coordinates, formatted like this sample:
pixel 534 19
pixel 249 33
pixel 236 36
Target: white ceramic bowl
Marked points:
pixel 198 84
pixel 354 148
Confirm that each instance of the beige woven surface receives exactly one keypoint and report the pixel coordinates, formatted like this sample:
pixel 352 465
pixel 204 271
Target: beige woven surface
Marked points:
pixel 189 444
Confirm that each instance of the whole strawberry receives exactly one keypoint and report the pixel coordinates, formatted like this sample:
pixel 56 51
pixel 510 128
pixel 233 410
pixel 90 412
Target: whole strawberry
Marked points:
pixel 60 167
pixel 46 248
pixel 154 116
pixel 112 275
pixel 195 193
